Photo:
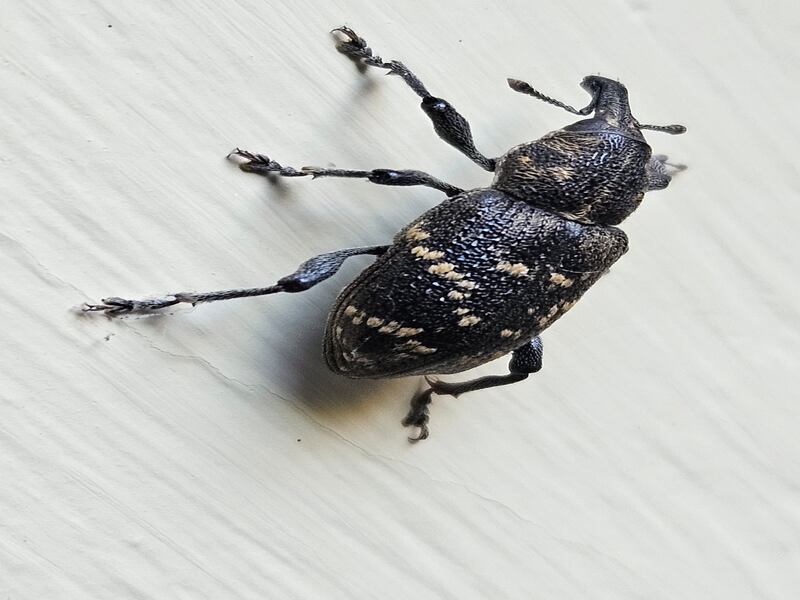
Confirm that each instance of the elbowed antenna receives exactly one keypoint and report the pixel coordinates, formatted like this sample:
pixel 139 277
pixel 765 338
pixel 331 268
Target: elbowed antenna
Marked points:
pixel 525 88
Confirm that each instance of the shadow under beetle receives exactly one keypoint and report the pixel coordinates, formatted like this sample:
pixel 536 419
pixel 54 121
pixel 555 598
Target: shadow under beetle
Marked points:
pixel 486 271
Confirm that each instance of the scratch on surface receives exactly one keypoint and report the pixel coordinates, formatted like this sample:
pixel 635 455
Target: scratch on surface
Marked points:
pixel 41 269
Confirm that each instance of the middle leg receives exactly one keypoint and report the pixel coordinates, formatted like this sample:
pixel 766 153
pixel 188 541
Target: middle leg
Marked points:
pixel 263 165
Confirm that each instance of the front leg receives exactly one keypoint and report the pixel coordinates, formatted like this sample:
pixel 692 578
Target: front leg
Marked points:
pixel 263 165
pixel 447 121
pixel 307 275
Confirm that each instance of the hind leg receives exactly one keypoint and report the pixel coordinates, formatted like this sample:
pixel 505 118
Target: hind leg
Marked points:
pixel 307 275
pixel 524 360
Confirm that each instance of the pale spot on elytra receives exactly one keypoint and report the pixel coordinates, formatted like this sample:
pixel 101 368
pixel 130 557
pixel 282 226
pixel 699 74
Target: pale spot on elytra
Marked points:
pixel 567 305
pixel 445 269
pixel 545 320
pixel 408 331
pixel 374 322
pixel 468 321
pixel 390 327
pixel 461 311
pixel 426 253
pixel 350 311
pixel 560 279
pixel 515 269
pixel 441 268
pixel 470 285
pixel 424 350
pixel 455 295
pixel 453 275
pixel 415 233
pixel 509 333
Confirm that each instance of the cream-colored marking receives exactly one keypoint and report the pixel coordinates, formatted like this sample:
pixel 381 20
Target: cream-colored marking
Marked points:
pixel 452 275
pixel 562 280
pixel 516 269
pixel 424 350
pixel 468 321
pixel 408 331
pixel 350 311
pixel 567 305
pixel 374 322
pixel 419 250
pixel 339 331
pixel 441 268
pixel 455 295
pixel 509 333
pixel 531 311
pixel 461 311
pixel 561 173
pixel 427 253
pixel 545 320
pixel 358 319
pixel 390 327
pixel 415 233
pixel 470 285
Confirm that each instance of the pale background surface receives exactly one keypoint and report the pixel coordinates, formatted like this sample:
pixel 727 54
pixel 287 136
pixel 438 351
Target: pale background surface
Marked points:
pixel 656 455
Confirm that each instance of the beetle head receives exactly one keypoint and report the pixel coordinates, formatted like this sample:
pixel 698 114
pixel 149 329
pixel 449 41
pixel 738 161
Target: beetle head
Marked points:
pixel 609 104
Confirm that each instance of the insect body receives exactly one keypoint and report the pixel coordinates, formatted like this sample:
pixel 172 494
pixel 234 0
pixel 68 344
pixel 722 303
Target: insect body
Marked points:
pixel 486 271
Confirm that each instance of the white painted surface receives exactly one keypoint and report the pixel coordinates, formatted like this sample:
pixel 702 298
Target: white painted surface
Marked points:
pixel 656 456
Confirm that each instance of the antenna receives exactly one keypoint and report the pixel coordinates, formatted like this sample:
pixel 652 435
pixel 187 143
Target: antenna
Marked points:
pixel 525 88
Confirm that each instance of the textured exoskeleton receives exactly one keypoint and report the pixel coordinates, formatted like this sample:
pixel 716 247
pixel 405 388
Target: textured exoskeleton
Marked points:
pixel 486 271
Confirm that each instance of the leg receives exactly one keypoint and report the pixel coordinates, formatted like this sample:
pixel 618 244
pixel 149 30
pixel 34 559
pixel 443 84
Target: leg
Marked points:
pixel 309 274
pixel 660 172
pixel 524 360
pixel 447 121
pixel 263 165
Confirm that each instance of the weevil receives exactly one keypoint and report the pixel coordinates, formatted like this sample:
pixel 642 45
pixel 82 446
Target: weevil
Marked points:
pixel 485 272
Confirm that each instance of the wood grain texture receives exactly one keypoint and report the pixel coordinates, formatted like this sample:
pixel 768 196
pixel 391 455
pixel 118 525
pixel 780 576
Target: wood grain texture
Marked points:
pixel 210 454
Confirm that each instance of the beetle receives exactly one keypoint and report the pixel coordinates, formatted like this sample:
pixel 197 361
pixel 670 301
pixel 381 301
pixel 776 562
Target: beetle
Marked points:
pixel 485 272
